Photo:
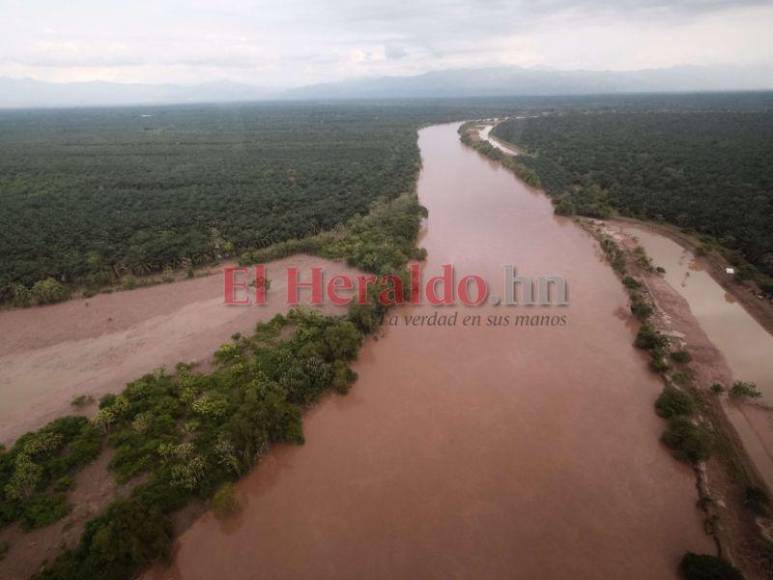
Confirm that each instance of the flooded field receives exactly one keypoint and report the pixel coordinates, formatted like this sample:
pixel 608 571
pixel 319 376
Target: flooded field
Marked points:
pixel 51 354
pixel 745 344
pixel 474 451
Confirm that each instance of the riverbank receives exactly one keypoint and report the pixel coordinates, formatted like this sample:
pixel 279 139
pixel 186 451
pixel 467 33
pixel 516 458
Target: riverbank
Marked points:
pixel 746 293
pixel 723 481
pixel 93 346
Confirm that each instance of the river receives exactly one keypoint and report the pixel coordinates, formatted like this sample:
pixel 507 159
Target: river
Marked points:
pixel 474 452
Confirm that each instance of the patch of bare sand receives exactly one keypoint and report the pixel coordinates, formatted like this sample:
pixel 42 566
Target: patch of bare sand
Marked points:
pixel 93 346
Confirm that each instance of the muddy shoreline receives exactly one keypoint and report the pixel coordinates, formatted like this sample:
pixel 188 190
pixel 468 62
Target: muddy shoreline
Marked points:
pixel 94 346
pixel 740 536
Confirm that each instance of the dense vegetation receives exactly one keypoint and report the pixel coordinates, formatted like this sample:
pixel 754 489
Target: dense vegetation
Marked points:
pixel 192 433
pixel 36 472
pixel 469 136
pixel 93 197
pixel 710 170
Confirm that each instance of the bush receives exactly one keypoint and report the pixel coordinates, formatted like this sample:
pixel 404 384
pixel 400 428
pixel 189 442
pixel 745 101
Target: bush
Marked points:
pixel 658 364
pixel 672 403
pixel 649 339
pixel 64 483
pixel 631 283
pixel 4 547
pixel 43 510
pixel 717 388
pixel 224 502
pixel 743 390
pixel 706 567
pixel 682 378
pixel 687 441
pixel 129 282
pixel 49 291
pixel 21 296
pixel 641 310
pixel 681 356
pixel 82 401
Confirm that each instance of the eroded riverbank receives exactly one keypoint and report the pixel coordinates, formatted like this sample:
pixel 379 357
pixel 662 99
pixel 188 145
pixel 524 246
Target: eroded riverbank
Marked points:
pixel 483 451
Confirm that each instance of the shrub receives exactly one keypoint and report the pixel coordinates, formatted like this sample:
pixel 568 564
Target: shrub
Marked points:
pixel 116 544
pixel 631 282
pixel 682 378
pixel 658 364
pixel 649 339
pixel 21 296
pixel 4 547
pixel 224 502
pixel 672 403
pixel 687 441
pixel 681 356
pixel 43 510
pixel 707 567
pixel 64 483
pixel 743 390
pixel 129 282
pixel 641 310
pixel 717 388
pixel 82 401
pixel 49 291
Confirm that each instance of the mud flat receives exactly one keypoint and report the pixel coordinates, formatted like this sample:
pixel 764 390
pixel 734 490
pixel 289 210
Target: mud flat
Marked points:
pixel 491 451
pixel 49 355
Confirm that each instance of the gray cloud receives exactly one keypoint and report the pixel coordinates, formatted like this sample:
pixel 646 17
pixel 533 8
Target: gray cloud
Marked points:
pixel 299 41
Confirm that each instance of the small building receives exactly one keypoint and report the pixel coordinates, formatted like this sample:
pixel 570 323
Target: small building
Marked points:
pixel 730 271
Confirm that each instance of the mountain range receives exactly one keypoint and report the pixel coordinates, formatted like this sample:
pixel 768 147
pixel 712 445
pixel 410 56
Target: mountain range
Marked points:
pixel 481 82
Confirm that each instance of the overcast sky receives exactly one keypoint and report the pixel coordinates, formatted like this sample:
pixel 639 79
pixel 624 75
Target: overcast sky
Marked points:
pixel 294 42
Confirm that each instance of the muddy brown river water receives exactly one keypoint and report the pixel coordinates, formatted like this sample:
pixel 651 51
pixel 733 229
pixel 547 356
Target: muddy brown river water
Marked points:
pixel 474 452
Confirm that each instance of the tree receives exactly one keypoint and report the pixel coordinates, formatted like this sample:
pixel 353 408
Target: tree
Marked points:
pixel 744 390
pixel 49 291
pixel 344 340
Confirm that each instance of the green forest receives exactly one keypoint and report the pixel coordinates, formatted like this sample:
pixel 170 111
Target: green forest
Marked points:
pixel 90 196
pixel 94 197
pixel 709 171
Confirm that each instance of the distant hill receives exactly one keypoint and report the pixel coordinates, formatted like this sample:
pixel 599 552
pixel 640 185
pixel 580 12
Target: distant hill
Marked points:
pixel 481 82
pixel 515 81
pixel 15 93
